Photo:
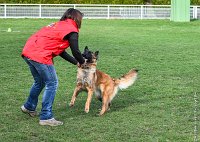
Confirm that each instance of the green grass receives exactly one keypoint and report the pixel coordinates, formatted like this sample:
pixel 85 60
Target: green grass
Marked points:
pixel 158 107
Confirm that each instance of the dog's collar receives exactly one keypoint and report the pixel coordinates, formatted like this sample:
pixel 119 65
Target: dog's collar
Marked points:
pixel 87 66
pixel 91 70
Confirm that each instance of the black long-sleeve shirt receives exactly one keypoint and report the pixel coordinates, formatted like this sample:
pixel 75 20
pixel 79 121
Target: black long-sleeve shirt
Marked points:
pixel 73 43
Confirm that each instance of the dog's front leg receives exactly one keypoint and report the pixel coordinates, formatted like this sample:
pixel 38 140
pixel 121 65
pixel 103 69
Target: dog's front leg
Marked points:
pixel 75 94
pixel 105 104
pixel 89 98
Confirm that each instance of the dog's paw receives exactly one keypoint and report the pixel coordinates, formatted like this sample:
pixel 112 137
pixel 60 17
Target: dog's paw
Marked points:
pixel 86 110
pixel 101 113
pixel 71 104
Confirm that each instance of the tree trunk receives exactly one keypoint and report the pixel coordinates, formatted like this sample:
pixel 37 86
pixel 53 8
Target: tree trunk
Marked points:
pixel 148 2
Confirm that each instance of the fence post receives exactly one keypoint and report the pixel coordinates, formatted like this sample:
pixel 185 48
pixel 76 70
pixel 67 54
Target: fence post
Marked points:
pixel 141 13
pixel 5 11
pixel 74 6
pixel 108 14
pixel 195 12
pixel 40 11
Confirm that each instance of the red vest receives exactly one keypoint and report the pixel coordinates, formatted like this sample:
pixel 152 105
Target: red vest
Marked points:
pixel 48 42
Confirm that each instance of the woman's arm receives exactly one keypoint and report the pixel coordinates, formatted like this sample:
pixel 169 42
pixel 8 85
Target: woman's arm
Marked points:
pixel 73 43
pixel 68 58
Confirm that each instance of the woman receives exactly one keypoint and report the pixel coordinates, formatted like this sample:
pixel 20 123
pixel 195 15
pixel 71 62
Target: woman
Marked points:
pixel 38 53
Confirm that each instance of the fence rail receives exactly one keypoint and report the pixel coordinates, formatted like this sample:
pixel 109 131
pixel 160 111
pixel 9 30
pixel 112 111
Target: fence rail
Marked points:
pixel 92 11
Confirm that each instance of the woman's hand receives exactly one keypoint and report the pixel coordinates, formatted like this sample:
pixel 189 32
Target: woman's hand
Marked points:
pixel 78 65
pixel 82 65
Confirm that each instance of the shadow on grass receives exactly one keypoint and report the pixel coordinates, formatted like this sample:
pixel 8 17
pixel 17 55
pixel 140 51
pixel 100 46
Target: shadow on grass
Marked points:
pixel 122 101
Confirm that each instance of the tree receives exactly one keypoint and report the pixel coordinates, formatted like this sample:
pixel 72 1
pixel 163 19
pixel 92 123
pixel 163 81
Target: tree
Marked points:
pixel 148 2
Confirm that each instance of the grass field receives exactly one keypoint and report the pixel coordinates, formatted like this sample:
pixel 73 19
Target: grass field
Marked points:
pixel 162 106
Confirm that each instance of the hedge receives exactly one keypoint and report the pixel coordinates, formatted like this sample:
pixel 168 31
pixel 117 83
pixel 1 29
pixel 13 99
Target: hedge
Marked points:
pixel 155 2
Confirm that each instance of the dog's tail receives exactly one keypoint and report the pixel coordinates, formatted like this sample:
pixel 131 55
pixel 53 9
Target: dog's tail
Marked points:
pixel 127 80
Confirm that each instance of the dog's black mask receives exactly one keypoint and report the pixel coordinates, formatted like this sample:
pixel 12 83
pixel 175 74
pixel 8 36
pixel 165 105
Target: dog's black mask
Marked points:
pixel 89 55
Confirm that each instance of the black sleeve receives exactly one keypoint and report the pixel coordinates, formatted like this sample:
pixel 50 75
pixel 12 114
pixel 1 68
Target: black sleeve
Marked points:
pixel 73 43
pixel 68 58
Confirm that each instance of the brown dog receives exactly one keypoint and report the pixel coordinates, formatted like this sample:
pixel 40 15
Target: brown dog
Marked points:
pixel 94 81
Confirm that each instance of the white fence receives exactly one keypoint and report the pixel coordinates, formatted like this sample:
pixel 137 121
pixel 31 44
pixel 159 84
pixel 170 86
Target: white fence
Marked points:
pixel 91 11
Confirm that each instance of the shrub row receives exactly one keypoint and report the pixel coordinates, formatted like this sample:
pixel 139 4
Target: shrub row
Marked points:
pixel 156 2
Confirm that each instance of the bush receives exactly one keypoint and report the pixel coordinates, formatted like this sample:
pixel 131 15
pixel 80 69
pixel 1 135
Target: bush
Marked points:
pixel 155 2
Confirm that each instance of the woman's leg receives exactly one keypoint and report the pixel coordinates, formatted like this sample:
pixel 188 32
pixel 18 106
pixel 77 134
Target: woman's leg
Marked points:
pixel 51 82
pixel 36 88
pixel 47 74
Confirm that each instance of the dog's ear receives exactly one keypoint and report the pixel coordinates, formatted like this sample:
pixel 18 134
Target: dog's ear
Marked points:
pixel 86 48
pixel 85 52
pixel 96 54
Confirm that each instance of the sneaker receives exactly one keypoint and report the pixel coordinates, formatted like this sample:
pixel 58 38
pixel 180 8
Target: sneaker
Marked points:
pixel 31 113
pixel 50 122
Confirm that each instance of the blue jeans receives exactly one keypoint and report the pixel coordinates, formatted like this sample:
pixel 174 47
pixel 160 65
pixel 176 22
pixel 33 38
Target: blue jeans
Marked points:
pixel 44 76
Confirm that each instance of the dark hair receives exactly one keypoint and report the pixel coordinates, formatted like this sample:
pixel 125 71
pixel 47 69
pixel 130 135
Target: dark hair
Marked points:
pixel 73 14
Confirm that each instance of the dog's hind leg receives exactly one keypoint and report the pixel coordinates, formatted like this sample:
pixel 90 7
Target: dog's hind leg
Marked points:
pixel 75 94
pixel 89 98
